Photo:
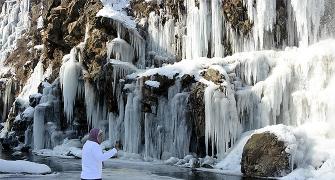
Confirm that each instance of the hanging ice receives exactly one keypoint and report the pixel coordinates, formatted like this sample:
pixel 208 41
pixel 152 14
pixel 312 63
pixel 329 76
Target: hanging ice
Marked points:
pixel 307 15
pixel 69 74
pixel 121 50
pixel 222 125
pixel 132 124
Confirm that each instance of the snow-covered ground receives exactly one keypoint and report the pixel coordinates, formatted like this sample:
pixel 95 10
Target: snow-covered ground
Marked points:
pixel 23 167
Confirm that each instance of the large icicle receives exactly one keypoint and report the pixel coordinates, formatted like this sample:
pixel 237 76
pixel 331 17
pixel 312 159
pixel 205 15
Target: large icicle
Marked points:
pixel 263 15
pixel 95 111
pixel 132 124
pixel 161 37
pixel 307 15
pixel 69 74
pixel 217 29
pixel 222 125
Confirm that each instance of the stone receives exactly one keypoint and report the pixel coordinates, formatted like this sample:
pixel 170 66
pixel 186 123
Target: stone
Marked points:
pixel 264 156
pixel 197 108
pixel 214 76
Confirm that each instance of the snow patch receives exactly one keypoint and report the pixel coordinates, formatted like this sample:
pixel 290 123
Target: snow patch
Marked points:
pixel 23 167
pixel 154 84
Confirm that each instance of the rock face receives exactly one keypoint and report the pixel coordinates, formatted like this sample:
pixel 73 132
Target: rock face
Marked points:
pixel 264 155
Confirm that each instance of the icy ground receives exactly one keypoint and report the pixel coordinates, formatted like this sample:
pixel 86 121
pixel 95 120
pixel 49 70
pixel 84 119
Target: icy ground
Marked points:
pixel 117 169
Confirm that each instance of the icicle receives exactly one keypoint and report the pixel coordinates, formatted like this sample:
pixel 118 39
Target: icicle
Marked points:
pixel 69 74
pixel 217 29
pixel 198 29
pixel 95 111
pixel 307 15
pixel 181 132
pixel 136 41
pixel 161 38
pixel 14 21
pixel 263 15
pixel 222 125
pixel 132 123
pixel 121 50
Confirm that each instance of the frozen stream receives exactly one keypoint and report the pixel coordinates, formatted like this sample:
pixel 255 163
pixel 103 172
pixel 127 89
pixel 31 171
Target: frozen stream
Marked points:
pixel 116 169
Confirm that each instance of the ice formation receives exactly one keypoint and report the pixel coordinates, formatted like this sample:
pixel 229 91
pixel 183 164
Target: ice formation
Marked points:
pixel 6 98
pixel 167 130
pixel 307 15
pixel 95 110
pixel 70 74
pixel 14 21
pixel 264 17
pixel 293 86
pixel 159 39
pixel 220 112
pixel 123 23
pixel 39 126
pixel 121 50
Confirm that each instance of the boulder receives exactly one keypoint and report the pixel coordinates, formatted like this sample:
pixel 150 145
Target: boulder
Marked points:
pixel 214 76
pixel 265 156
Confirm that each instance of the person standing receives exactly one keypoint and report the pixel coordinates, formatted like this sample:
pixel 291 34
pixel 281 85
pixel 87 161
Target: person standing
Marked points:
pixel 93 157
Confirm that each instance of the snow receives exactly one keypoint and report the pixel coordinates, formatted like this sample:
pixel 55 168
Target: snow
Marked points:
pixel 23 167
pixel 313 152
pixel 40 22
pixel 31 87
pixel 114 9
pixel 69 149
pixel 171 161
pixel 154 84
pixel 39 47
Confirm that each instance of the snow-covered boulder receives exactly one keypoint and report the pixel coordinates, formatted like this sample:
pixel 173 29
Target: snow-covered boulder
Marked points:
pixel 171 161
pixel 265 156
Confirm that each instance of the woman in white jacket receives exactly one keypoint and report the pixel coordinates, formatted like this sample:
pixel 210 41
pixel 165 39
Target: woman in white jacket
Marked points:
pixel 92 156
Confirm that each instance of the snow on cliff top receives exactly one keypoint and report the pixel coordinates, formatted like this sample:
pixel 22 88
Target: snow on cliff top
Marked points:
pixel 114 9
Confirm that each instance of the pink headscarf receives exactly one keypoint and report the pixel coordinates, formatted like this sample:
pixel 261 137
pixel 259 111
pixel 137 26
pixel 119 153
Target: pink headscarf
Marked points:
pixel 94 133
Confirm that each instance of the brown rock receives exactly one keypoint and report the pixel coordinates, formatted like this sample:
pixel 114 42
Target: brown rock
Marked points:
pixel 197 108
pixel 264 155
pixel 214 76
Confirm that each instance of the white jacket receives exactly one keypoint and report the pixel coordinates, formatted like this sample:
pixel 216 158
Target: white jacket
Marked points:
pixel 92 157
